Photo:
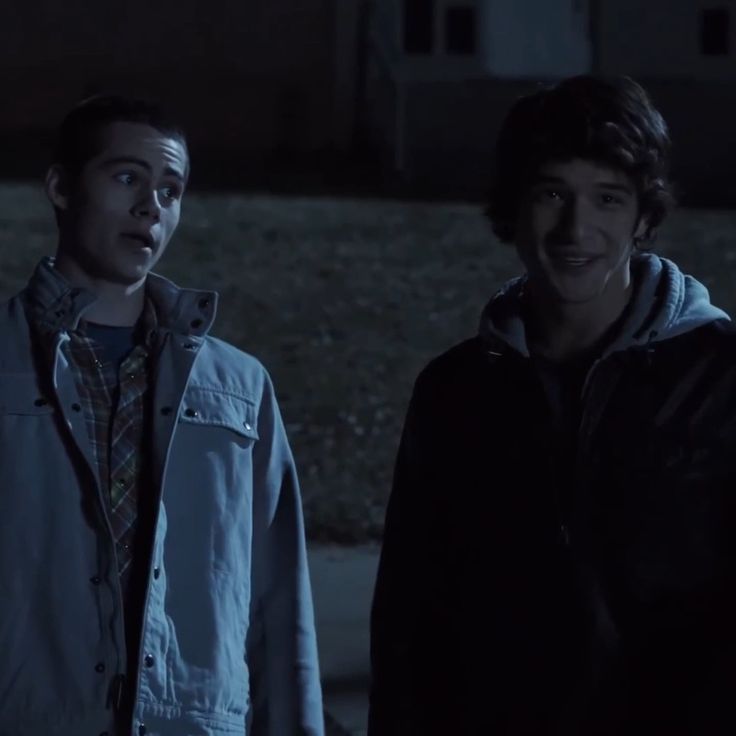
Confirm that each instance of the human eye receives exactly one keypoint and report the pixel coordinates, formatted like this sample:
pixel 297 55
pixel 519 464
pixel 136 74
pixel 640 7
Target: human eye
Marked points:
pixel 126 177
pixel 610 200
pixel 171 192
pixel 548 195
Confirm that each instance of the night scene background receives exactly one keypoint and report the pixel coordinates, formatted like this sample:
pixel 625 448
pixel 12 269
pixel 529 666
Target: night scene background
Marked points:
pixel 341 152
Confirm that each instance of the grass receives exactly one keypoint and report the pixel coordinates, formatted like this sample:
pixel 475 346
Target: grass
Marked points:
pixel 344 301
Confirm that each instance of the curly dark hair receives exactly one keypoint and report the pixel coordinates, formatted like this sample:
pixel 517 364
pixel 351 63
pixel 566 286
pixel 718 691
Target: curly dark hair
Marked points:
pixel 608 120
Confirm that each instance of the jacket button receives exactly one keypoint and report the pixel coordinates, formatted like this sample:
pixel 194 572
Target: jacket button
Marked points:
pixel 40 402
pixel 166 410
pixel 95 580
pixel 156 573
pixel 142 730
pixel 76 407
pixel 195 323
pixel 191 412
pixel 148 659
pixel 99 667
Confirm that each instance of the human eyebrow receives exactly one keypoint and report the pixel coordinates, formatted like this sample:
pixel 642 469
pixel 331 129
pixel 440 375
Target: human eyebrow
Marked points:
pixel 544 183
pixel 117 160
pixel 615 187
pixel 546 179
pixel 170 171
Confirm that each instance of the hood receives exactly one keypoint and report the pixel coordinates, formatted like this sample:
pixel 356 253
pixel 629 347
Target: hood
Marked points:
pixel 665 303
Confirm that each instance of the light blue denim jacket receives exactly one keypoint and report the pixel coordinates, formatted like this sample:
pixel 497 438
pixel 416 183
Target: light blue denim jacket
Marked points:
pixel 228 634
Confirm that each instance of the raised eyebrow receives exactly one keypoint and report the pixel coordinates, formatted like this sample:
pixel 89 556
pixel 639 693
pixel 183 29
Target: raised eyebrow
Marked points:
pixel 117 160
pixel 169 171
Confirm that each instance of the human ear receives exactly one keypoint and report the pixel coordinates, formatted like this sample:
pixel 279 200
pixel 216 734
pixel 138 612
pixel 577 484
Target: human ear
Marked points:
pixel 642 226
pixel 57 187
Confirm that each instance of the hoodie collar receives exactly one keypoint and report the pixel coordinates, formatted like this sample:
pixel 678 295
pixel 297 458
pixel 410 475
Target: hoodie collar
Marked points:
pixel 665 303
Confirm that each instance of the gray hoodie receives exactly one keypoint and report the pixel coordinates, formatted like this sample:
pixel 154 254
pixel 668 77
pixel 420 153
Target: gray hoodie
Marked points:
pixel 666 303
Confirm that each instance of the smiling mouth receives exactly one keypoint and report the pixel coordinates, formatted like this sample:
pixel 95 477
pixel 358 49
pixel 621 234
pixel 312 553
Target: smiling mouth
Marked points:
pixel 574 261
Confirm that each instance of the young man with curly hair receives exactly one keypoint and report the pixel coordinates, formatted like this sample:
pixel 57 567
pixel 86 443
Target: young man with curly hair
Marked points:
pixel 153 576
pixel 559 553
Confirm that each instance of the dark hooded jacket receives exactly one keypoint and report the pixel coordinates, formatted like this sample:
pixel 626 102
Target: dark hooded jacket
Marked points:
pixel 559 552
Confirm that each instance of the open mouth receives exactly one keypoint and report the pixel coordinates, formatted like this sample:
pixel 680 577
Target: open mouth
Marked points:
pixel 144 240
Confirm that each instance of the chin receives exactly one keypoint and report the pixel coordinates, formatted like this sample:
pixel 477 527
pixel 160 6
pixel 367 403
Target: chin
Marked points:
pixel 128 277
pixel 576 293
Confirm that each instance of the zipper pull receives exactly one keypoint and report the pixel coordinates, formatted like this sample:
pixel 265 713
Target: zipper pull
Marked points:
pixel 117 690
pixel 564 536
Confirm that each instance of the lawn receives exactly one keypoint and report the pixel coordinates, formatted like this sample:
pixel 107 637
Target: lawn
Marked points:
pixel 344 301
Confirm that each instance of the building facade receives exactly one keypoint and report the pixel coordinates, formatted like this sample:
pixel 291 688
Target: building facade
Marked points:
pixel 444 72
pixel 250 79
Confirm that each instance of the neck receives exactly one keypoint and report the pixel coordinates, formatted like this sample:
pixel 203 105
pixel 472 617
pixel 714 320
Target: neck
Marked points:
pixel 560 331
pixel 117 305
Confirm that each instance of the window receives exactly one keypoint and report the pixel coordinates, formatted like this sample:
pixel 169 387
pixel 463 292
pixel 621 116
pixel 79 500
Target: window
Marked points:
pixel 714 31
pixel 460 30
pixel 418 26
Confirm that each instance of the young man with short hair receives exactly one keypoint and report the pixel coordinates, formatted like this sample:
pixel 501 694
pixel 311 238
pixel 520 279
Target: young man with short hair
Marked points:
pixel 559 553
pixel 153 572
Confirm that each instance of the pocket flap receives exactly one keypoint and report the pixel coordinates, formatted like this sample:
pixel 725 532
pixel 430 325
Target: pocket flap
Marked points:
pixel 19 394
pixel 216 408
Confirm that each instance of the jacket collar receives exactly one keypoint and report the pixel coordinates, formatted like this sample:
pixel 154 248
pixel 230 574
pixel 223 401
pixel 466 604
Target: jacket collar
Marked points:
pixel 54 305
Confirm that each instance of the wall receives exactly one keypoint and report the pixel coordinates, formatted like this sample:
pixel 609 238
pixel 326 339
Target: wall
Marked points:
pixel 451 130
pixel 248 76
pixel 661 38
pixel 535 38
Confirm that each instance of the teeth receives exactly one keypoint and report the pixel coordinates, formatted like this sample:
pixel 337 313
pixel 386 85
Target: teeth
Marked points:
pixel 576 261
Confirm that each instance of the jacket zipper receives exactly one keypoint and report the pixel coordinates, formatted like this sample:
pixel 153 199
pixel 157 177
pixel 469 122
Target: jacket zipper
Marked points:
pixel 589 422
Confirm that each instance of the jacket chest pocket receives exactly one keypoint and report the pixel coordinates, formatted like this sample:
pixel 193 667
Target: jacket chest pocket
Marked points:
pixel 212 453
pixel 211 460
pixel 32 489
pixel 213 409
pixel 208 486
pixel 27 426
pixel 21 397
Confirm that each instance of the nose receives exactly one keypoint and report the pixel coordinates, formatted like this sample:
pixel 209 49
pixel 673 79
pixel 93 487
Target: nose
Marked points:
pixel 148 205
pixel 572 224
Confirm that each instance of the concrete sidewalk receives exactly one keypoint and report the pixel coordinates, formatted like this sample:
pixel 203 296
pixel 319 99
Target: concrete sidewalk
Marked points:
pixel 342 586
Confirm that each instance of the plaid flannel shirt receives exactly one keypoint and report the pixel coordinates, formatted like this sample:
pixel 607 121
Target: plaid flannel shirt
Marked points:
pixel 113 401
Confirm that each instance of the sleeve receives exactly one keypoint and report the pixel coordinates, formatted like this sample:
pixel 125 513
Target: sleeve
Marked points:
pixel 281 647
pixel 404 613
